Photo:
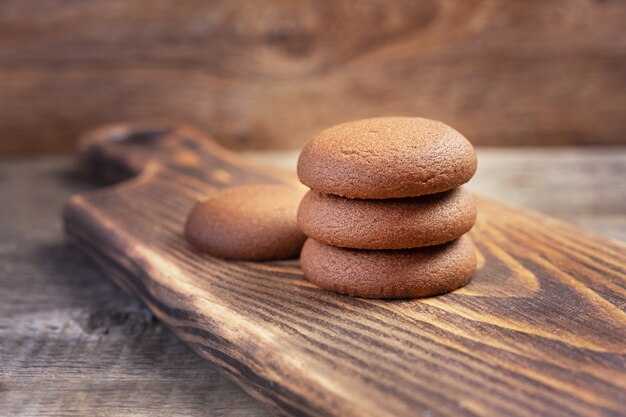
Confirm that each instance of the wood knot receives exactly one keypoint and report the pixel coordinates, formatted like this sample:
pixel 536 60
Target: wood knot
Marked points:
pixel 297 39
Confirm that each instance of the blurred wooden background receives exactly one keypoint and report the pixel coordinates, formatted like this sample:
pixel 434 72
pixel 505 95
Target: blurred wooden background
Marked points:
pixel 271 73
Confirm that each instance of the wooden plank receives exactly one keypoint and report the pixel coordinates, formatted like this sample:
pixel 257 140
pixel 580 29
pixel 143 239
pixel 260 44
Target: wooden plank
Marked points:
pixel 71 342
pixel 539 331
pixel 271 74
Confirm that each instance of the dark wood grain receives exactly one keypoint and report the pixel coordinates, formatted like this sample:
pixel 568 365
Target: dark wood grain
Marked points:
pixel 271 74
pixel 539 331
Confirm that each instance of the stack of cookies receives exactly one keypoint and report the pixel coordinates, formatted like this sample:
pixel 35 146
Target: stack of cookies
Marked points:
pixel 386 213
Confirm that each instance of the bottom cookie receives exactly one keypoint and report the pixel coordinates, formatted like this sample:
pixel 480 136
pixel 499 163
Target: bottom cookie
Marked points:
pixel 404 273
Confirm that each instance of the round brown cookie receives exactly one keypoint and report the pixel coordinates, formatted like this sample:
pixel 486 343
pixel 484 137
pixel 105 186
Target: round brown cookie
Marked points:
pixel 387 224
pixel 256 222
pixel 387 157
pixel 405 273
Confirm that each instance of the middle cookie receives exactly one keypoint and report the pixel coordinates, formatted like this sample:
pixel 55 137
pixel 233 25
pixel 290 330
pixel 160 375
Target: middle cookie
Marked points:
pixel 399 223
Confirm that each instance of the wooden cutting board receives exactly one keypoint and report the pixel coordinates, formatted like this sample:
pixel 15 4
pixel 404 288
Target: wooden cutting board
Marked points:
pixel 539 331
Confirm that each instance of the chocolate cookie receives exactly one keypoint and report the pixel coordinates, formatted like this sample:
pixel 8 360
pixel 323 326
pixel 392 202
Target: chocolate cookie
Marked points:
pixel 387 157
pixel 405 273
pixel 256 222
pixel 387 224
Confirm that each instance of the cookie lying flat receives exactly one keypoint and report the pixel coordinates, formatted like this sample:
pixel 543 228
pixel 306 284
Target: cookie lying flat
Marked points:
pixel 406 273
pixel 256 222
pixel 387 224
pixel 387 157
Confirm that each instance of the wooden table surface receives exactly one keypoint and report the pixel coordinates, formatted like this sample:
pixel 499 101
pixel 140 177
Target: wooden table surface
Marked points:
pixel 73 344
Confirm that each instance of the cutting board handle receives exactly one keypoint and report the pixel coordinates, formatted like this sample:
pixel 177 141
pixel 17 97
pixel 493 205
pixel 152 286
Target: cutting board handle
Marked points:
pixel 120 151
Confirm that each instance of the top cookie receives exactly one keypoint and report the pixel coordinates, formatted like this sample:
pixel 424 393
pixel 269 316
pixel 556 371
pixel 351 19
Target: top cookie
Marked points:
pixel 387 157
